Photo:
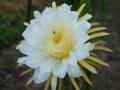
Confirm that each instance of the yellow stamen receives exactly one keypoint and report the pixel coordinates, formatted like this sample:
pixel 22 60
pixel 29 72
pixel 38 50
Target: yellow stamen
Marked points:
pixel 57 36
pixel 61 42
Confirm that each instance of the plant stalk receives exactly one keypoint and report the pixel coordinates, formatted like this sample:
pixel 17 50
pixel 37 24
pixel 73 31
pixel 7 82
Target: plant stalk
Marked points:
pixel 29 9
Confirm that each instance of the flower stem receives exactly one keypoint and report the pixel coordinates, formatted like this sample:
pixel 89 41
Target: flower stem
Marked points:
pixel 29 9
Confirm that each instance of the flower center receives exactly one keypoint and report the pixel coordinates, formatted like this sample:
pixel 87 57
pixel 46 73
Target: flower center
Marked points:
pixel 60 43
pixel 57 36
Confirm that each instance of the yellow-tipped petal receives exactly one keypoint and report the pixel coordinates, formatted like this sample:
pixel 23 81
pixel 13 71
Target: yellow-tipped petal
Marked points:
pixel 26 24
pixel 86 77
pixel 102 48
pixel 81 9
pixel 70 6
pixel 87 66
pixel 29 81
pixel 99 42
pixel 96 35
pixel 26 71
pixel 97 60
pixel 95 23
pixel 93 54
pixel 47 84
pixel 96 29
pixel 60 84
pixel 85 17
pixel 74 83
pixel 54 5
pixel 93 63
pixel 54 82
pixel 19 65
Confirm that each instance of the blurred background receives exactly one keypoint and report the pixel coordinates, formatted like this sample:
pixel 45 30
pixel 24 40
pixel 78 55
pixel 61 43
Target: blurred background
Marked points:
pixel 14 12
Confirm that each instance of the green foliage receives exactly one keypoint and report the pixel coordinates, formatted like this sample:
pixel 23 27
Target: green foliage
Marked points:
pixel 10 25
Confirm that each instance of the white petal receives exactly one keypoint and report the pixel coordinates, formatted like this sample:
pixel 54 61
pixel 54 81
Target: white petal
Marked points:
pixel 40 77
pixel 68 17
pixel 27 49
pixel 27 32
pixel 34 35
pixel 48 65
pixel 21 60
pixel 85 17
pixel 80 38
pixel 71 19
pixel 72 59
pixel 83 26
pixel 37 14
pixel 74 71
pixel 34 60
pixel 79 53
pixel 64 8
pixel 60 70
pixel 82 52
pixel 47 11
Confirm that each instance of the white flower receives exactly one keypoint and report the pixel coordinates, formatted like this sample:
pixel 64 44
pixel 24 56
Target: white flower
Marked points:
pixel 54 42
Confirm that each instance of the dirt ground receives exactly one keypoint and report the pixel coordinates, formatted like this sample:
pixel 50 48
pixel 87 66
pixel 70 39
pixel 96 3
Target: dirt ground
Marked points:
pixel 107 78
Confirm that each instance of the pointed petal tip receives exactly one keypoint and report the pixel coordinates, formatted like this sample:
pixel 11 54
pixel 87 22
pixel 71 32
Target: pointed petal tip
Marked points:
pixel 81 8
pixel 54 5
pixel 29 81
pixel 26 24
